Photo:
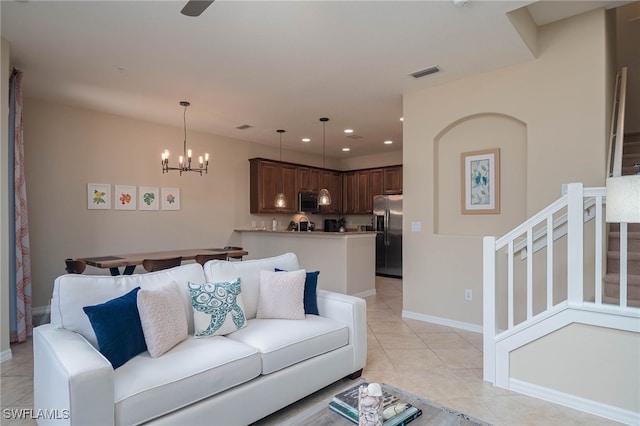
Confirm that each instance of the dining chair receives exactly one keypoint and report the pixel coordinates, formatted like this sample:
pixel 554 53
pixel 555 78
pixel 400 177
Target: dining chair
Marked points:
pixel 204 258
pixel 233 248
pixel 75 266
pixel 152 265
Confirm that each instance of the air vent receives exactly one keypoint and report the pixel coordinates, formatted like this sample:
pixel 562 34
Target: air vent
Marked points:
pixel 244 127
pixel 354 137
pixel 426 71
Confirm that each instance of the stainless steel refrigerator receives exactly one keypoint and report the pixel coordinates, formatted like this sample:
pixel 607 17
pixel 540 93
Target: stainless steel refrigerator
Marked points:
pixel 387 211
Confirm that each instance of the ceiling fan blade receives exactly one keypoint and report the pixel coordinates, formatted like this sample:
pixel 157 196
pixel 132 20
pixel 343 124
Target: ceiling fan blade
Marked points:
pixel 195 7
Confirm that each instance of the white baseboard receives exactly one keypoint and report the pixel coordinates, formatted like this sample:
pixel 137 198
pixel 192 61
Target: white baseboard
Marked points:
pixel 575 402
pixel 443 321
pixel 367 293
pixel 5 355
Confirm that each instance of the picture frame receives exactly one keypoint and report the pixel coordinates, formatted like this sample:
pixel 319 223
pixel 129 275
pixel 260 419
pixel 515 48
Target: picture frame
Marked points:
pixel 125 197
pixel 480 181
pixel 99 196
pixel 170 198
pixel 149 198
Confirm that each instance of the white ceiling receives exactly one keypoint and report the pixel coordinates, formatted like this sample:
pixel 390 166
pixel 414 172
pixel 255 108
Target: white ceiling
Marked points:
pixel 269 64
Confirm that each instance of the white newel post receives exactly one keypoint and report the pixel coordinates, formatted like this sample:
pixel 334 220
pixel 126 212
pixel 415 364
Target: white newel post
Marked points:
pixel 489 308
pixel 575 248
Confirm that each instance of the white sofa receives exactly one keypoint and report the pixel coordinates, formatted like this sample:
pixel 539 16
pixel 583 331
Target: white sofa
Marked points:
pixel 231 380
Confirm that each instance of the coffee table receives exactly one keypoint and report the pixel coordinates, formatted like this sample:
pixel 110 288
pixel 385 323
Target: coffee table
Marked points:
pixel 319 414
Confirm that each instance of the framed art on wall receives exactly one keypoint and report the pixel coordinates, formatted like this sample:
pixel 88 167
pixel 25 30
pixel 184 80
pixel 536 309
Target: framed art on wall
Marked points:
pixel 99 196
pixel 149 198
pixel 125 197
pixel 481 181
pixel 170 198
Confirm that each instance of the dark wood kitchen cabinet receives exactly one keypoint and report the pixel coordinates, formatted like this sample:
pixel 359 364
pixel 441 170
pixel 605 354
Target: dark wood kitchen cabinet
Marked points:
pixel 332 180
pixel 392 181
pixel 267 178
pixel 351 192
pixel 357 192
pixel 309 178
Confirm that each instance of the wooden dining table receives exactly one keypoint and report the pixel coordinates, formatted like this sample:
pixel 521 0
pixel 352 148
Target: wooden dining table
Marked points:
pixel 130 261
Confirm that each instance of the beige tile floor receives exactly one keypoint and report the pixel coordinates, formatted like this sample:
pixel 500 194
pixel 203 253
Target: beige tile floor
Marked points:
pixel 439 363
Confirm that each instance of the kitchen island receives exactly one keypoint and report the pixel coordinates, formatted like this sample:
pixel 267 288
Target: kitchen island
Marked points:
pixel 346 260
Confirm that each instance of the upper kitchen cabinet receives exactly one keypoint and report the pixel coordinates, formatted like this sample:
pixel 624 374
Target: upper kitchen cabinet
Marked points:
pixel 376 177
pixel 267 178
pixel 309 178
pixel 392 180
pixel 332 180
pixel 356 193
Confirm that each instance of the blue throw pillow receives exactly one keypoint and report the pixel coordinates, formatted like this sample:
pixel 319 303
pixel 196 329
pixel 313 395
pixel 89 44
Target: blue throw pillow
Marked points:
pixel 118 328
pixel 310 296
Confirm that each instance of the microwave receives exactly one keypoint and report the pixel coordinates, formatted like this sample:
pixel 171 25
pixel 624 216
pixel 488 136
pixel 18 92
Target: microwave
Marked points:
pixel 308 202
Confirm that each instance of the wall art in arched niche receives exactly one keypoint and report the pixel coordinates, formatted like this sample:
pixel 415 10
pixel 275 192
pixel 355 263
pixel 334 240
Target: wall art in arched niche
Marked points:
pixel 480 177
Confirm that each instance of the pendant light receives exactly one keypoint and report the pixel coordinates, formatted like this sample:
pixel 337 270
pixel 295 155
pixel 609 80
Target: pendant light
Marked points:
pixel 281 199
pixel 324 197
pixel 184 161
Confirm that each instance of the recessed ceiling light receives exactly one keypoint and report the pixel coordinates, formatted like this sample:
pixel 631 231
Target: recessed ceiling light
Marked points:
pixel 346 149
pixel 401 118
pixel 388 142
pixel 348 131
pixel 306 140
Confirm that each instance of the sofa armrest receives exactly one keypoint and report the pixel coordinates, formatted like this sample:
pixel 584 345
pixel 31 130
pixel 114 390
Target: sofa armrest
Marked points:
pixel 72 381
pixel 352 311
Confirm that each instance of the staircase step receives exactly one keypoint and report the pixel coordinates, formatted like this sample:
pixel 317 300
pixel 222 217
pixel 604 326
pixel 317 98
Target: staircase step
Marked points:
pixel 629 159
pixel 632 137
pixel 631 147
pixel 631 227
pixel 632 280
pixel 616 301
pixel 633 242
pixel 633 262
pixel 611 287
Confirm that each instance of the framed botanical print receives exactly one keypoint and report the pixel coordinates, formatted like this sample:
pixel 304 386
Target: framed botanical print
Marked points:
pixel 481 182
pixel 99 196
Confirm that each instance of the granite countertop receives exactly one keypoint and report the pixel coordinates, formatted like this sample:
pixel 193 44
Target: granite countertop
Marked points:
pixel 308 234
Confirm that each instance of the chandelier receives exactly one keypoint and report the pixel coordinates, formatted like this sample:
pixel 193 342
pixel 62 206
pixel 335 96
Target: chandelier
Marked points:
pixel 184 161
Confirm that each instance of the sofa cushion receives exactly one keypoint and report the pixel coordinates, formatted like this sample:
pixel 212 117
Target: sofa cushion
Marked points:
pixel 285 342
pixel 281 295
pixel 249 273
pixel 310 292
pixel 146 387
pixel 73 291
pixel 117 327
pixel 162 317
pixel 217 308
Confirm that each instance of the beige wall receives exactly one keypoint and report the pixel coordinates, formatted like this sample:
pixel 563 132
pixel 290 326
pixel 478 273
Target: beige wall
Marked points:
pixel 4 200
pixel 610 374
pixel 560 99
pixel 66 148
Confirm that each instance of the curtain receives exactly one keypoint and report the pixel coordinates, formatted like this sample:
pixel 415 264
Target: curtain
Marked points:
pixel 21 323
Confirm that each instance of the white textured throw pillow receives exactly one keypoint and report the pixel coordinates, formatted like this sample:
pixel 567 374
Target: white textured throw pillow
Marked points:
pixel 217 308
pixel 281 295
pixel 162 317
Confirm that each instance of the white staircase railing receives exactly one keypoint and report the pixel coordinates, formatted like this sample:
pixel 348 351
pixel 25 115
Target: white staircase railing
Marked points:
pixel 516 308
pixel 616 135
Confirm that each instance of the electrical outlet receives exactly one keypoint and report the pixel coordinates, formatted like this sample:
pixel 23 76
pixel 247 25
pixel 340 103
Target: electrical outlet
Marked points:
pixel 468 294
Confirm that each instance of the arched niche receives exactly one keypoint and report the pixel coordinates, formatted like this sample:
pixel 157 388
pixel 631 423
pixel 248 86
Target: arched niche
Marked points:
pixel 473 133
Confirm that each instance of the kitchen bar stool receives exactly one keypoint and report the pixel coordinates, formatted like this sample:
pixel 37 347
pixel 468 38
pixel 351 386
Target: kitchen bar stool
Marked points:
pixel 204 258
pixel 152 265
pixel 75 266
pixel 233 248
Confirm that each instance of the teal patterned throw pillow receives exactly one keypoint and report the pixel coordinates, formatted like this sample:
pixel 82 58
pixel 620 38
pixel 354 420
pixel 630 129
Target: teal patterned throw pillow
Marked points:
pixel 217 308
